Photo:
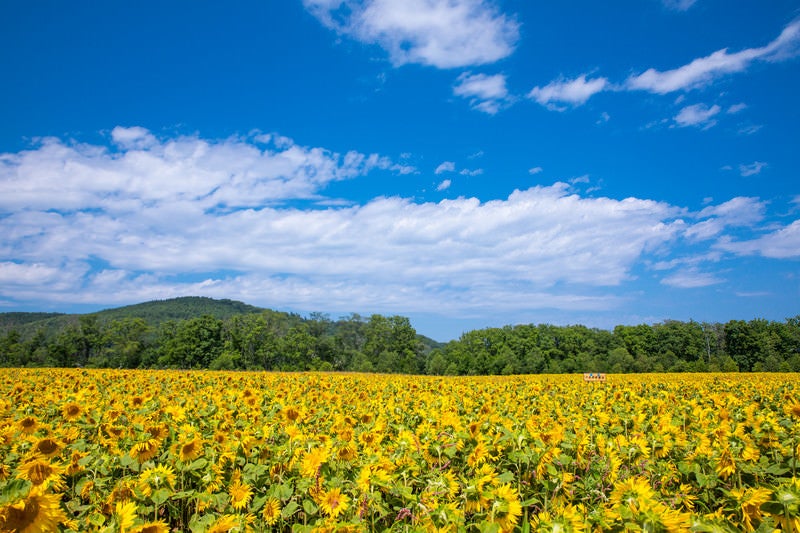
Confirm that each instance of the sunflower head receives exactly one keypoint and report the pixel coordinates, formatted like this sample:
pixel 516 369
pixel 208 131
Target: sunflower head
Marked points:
pixel 47 447
pixel 334 502
pixel 34 513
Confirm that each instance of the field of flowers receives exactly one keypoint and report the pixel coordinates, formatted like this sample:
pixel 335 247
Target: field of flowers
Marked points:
pixel 158 451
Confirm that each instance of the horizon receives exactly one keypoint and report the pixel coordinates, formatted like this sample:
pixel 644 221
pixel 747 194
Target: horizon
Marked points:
pixel 464 163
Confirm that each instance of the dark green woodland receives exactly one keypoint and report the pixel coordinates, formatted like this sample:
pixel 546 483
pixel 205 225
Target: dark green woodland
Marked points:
pixel 199 333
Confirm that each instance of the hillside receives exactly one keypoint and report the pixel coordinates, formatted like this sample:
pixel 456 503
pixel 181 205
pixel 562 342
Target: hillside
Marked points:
pixel 154 313
pixel 183 308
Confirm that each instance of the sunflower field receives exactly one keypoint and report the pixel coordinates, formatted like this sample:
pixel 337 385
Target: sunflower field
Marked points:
pixel 158 451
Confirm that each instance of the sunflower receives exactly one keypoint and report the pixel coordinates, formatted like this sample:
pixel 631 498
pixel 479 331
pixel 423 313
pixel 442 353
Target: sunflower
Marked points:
pixel 272 511
pixel 155 478
pixel 151 527
pixel 312 461
pixel 145 450
pixel 125 513
pixel 29 425
pixel 506 508
pixel 793 409
pixel 42 473
pixel 47 447
pixel 35 513
pixel 334 502
pixel 224 524
pixel 750 501
pixel 71 411
pixel 189 450
pixel 240 493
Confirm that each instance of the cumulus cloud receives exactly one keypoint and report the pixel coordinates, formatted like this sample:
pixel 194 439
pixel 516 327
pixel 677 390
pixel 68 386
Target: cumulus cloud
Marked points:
pixel 741 211
pixel 440 33
pixel 702 71
pixel 564 91
pixel 485 93
pixel 196 216
pixel 699 115
pixel 783 243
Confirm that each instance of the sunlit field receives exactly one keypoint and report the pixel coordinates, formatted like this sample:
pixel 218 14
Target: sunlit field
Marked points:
pixel 158 451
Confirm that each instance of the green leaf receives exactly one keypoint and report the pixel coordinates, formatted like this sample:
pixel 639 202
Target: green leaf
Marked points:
pixel 160 496
pixel 290 509
pixel 309 507
pixel 97 519
pixel 196 465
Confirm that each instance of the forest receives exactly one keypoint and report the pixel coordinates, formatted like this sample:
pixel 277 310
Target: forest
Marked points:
pixel 200 333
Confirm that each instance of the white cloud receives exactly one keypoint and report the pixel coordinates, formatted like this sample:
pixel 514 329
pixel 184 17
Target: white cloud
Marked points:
pixel 783 243
pixel 702 71
pixel 186 172
pixel 534 170
pixel 678 5
pixel 563 91
pixel 736 108
pixel 485 93
pixel 214 211
pixel 471 171
pixel 440 33
pixel 741 211
pixel 444 185
pixel 446 166
pixel 752 169
pixel 691 278
pixel 750 129
pixel 697 115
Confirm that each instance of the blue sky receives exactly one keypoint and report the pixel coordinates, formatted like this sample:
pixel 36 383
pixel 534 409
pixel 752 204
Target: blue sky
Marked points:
pixel 466 163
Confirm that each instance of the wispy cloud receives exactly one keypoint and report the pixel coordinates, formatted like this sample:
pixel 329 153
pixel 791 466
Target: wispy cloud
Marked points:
pixel 752 169
pixel 534 170
pixel 702 71
pixel 699 115
pixel 440 33
pixel 563 92
pixel 444 185
pixel 691 278
pixel 445 166
pixel 485 93
pixel 678 5
pixel 736 108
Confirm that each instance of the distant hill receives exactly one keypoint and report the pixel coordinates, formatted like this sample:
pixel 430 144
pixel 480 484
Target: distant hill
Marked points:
pixel 14 320
pixel 154 313
pixel 183 308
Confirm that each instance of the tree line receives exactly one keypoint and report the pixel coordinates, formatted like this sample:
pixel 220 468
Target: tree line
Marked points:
pixel 272 340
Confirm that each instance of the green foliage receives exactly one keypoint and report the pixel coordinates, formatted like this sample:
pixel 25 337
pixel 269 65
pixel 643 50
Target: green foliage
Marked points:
pixel 222 334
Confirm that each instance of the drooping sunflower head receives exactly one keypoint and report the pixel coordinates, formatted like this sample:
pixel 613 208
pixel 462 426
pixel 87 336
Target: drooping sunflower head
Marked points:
pixel 506 508
pixel 190 449
pixel 41 473
pixel 35 513
pixel 47 447
pixel 29 425
pixel 145 450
